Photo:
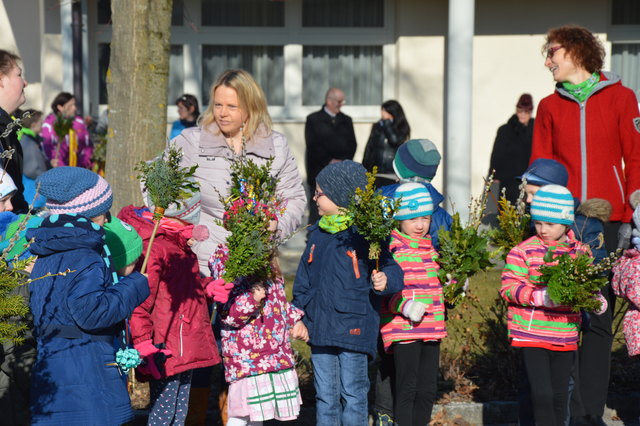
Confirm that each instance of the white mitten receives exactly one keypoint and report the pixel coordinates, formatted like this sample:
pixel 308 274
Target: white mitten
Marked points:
pixel 413 310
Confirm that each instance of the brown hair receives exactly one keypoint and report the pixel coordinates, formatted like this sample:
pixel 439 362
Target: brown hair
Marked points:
pixel 34 116
pixel 60 99
pixel 250 96
pixel 8 60
pixel 585 48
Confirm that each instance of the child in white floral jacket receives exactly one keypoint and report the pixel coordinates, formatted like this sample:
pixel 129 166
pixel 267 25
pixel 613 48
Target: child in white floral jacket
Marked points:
pixel 256 349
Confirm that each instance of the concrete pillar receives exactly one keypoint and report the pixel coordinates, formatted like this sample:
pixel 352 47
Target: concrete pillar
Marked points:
pixel 66 46
pixel 458 97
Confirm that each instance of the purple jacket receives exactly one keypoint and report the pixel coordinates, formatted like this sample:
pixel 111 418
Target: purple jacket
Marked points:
pixel 255 336
pixel 50 141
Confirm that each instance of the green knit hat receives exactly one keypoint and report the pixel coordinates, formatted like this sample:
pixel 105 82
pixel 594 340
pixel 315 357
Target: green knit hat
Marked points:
pixel 123 241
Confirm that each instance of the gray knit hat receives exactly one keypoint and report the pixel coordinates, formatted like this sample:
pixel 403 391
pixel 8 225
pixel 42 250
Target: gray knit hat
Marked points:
pixel 339 181
pixel 553 204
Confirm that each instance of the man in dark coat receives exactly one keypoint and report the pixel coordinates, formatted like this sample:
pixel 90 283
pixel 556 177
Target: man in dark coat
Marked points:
pixel 329 138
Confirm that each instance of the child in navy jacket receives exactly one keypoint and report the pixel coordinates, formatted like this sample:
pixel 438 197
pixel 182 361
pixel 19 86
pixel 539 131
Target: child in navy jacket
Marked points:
pixel 78 310
pixel 337 287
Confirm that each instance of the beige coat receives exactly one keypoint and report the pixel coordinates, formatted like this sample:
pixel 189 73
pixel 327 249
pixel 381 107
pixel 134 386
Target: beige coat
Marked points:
pixel 208 148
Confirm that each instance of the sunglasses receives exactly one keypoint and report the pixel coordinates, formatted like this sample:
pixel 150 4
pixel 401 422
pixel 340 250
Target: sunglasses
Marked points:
pixel 552 51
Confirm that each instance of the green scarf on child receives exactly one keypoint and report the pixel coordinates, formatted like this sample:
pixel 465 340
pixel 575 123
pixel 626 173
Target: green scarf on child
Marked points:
pixel 582 90
pixel 334 223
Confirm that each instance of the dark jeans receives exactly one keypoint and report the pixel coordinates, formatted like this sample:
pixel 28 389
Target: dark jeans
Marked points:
pixel 548 373
pixel 416 382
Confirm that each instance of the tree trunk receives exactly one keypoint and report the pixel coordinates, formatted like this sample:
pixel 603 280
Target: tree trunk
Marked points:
pixel 137 88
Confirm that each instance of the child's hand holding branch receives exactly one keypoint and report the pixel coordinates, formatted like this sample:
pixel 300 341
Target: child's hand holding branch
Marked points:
pixel 379 280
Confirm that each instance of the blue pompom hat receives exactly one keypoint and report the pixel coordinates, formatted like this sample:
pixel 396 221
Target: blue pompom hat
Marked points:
pixel 553 204
pixel 415 201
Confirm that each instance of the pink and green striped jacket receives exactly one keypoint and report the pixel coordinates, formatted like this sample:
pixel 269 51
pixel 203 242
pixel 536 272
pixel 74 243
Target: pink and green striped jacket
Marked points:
pixel 549 328
pixel 416 257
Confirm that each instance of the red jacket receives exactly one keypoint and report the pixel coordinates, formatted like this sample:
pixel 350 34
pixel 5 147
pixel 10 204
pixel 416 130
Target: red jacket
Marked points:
pixel 593 156
pixel 176 312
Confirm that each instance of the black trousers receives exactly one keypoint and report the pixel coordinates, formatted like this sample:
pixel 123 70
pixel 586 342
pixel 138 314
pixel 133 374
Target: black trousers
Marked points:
pixel 548 373
pixel 416 382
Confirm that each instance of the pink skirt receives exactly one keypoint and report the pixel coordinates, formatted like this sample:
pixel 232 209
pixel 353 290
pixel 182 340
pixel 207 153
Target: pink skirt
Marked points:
pixel 267 396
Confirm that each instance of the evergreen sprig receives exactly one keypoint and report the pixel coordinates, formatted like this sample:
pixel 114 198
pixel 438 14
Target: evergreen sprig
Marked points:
pixel 513 225
pixel 62 126
pixel 575 281
pixel 13 306
pixel 463 249
pixel 250 208
pixel 165 181
pixel 372 214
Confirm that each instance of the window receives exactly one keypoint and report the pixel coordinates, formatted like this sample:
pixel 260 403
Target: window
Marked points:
pixel 265 63
pixel 242 13
pixel 104 12
pixel 625 12
pixel 295 49
pixel 357 70
pixel 625 60
pixel 625 36
pixel 341 13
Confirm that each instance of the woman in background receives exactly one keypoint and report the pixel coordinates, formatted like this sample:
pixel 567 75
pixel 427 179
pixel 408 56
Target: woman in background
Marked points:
pixel 391 131
pixel 188 113
pixel 64 106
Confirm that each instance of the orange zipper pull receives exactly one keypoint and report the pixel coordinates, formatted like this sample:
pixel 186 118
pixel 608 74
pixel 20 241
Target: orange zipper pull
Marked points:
pixel 311 254
pixel 354 261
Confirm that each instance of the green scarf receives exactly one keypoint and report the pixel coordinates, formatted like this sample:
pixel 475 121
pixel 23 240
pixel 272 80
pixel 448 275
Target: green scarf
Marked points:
pixel 582 90
pixel 334 223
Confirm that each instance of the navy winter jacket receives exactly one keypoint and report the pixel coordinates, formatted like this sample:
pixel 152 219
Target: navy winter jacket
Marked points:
pixel 77 318
pixel 333 287
pixel 439 218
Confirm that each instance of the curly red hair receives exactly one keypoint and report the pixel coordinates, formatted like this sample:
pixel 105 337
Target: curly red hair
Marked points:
pixel 585 49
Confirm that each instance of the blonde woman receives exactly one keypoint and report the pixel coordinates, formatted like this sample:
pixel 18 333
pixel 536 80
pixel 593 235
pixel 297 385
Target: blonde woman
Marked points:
pixel 237 122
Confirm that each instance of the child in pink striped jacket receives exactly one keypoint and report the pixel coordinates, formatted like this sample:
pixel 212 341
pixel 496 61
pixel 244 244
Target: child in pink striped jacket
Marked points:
pixel 413 320
pixel 545 332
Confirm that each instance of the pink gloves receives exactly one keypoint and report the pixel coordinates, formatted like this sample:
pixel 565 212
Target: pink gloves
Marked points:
pixel 148 353
pixel 540 298
pixel 413 310
pixel 219 290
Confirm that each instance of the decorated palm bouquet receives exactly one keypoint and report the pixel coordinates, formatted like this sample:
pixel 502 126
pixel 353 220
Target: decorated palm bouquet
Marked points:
pixel 372 214
pixel 251 211
pixel 463 250
pixel 575 282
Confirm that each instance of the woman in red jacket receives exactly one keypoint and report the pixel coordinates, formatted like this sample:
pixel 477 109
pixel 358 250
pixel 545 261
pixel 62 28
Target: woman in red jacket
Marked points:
pixel 591 125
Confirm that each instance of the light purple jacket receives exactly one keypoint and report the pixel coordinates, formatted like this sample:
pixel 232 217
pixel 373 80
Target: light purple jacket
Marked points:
pixel 209 150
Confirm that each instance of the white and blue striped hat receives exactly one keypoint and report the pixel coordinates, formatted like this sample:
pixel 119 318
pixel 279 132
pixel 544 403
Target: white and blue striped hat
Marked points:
pixel 415 201
pixel 553 204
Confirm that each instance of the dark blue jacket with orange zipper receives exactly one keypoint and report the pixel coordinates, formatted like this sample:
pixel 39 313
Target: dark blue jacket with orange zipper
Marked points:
pixel 333 286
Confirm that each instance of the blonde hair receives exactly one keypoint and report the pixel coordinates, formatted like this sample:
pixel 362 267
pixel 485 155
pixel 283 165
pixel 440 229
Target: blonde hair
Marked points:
pixel 251 99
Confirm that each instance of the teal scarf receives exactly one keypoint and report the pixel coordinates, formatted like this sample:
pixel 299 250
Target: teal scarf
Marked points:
pixel 582 90
pixel 334 223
